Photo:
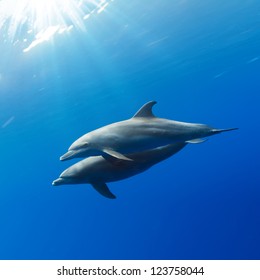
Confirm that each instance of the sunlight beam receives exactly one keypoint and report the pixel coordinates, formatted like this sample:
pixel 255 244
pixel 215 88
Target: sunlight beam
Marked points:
pixel 37 21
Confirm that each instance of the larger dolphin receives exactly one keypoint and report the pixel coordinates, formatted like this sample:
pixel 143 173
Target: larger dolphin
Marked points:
pixel 98 170
pixel 142 132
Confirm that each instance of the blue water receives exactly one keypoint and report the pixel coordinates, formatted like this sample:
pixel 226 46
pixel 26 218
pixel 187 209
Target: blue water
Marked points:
pixel 200 60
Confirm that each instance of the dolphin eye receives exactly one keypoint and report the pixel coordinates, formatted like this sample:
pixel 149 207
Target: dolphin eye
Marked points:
pixel 84 145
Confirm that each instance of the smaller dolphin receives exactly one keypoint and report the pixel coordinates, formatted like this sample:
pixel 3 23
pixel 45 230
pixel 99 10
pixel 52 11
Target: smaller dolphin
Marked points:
pixel 142 132
pixel 98 170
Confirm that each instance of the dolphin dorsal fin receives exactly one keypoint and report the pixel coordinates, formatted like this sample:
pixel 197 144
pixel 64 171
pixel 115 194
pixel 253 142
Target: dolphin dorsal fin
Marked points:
pixel 146 111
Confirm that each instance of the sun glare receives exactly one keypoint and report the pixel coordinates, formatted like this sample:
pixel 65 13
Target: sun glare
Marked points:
pixel 37 21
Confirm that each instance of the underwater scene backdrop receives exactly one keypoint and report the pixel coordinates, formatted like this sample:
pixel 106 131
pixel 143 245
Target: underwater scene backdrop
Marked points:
pixel 92 63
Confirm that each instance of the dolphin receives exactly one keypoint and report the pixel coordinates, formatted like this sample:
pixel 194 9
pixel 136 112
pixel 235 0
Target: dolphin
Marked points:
pixel 98 170
pixel 143 131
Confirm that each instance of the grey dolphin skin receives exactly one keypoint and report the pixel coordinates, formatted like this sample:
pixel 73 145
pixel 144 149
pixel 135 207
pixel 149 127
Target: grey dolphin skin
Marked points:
pixel 98 170
pixel 142 132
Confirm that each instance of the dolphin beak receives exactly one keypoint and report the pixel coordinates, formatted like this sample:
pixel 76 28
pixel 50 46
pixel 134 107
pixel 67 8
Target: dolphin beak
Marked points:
pixel 57 182
pixel 68 155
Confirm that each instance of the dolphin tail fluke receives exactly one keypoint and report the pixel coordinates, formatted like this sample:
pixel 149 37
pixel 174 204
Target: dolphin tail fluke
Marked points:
pixel 215 131
pixel 103 189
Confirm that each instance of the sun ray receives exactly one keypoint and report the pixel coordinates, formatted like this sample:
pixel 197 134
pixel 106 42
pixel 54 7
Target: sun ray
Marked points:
pixel 36 21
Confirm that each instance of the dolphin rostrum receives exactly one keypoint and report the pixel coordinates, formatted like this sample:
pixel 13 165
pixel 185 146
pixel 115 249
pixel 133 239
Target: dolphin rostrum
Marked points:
pixel 142 132
pixel 98 170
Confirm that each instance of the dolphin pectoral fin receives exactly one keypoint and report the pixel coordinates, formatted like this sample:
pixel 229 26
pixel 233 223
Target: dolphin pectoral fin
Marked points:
pixel 116 154
pixel 146 111
pixel 196 141
pixel 113 160
pixel 103 189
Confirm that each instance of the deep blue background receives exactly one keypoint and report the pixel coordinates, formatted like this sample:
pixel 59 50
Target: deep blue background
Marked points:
pixel 201 61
